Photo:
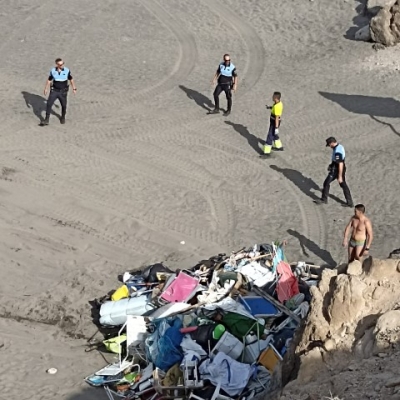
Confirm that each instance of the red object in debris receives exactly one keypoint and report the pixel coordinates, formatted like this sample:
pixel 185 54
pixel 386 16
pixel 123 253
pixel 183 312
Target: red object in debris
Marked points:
pixel 287 285
pixel 188 329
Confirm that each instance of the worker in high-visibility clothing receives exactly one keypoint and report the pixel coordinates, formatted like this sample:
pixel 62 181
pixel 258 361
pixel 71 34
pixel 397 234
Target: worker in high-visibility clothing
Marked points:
pixel 273 142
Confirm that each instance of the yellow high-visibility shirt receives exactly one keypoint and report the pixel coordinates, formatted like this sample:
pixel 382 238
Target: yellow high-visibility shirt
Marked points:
pixel 277 109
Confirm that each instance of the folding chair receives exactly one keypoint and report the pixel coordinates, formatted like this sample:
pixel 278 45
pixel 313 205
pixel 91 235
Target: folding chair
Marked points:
pixel 180 289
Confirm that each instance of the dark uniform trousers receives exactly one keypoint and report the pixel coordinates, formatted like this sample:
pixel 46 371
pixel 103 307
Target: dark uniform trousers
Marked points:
pixel 272 136
pixel 332 176
pixel 223 87
pixel 61 95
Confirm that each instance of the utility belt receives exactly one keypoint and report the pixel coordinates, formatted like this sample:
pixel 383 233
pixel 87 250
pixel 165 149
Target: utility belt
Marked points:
pixel 64 90
pixel 229 83
pixel 334 168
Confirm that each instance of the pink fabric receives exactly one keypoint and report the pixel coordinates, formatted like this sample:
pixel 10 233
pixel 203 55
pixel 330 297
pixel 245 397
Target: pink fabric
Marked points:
pixel 287 285
pixel 180 289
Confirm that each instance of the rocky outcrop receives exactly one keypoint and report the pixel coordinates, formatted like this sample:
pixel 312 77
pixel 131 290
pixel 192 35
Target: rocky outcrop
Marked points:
pixel 387 331
pixel 381 29
pixel 385 25
pixel 374 6
pixel 354 321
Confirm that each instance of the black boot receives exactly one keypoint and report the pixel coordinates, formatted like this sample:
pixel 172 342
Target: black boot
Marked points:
pixel 62 119
pixel 320 201
pixel 227 112
pixel 46 120
pixel 215 111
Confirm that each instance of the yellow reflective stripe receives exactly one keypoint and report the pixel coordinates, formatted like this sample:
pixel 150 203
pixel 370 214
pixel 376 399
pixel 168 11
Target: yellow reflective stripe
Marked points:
pixel 267 149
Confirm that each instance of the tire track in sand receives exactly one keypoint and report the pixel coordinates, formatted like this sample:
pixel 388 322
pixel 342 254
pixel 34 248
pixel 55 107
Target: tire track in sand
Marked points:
pixel 187 51
pixel 124 103
pixel 313 221
pixel 223 210
pixel 255 62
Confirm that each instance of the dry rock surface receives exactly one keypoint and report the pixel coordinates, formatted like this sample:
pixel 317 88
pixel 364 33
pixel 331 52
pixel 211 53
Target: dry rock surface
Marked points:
pixel 374 6
pixel 350 344
pixel 384 26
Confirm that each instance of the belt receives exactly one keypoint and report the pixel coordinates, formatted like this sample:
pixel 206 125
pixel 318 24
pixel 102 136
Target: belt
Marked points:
pixel 60 90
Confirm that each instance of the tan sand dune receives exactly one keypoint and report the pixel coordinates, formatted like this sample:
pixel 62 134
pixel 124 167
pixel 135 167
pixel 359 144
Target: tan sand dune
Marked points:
pixel 140 167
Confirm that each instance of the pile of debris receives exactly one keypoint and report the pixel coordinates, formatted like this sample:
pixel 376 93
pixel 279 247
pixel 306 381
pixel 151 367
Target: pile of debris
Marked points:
pixel 384 26
pixel 219 330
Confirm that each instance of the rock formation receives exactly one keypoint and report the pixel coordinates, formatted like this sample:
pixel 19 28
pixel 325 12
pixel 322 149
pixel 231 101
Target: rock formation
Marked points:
pixel 352 333
pixel 384 26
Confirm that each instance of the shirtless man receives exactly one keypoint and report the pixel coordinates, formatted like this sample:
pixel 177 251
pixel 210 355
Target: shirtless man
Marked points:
pixel 361 235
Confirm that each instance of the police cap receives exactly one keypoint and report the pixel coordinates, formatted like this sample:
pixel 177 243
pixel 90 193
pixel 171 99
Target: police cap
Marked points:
pixel 330 140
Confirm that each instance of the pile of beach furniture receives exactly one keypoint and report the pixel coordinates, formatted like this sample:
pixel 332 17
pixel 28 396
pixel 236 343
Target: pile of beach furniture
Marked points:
pixel 218 330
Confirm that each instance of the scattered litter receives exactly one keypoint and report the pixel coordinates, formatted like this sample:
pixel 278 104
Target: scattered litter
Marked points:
pixel 52 371
pixel 217 330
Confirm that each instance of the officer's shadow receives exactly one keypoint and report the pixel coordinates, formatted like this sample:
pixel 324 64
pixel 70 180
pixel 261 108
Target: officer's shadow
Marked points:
pixel 37 104
pixel 253 140
pixel 306 185
pixel 200 99
pixel 308 244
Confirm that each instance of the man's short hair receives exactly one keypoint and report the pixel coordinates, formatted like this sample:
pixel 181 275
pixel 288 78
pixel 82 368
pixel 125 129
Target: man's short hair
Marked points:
pixel 360 207
pixel 277 95
pixel 58 60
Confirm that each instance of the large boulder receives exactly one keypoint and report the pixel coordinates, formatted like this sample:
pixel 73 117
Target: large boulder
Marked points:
pixel 347 301
pixel 374 6
pixel 380 27
pixel 355 268
pixel 387 331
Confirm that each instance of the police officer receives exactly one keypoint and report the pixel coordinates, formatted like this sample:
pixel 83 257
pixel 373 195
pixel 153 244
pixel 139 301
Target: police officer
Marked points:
pixel 337 170
pixel 227 81
pixel 58 79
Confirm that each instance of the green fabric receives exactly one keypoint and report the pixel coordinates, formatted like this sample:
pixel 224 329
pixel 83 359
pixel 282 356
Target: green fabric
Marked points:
pixel 239 325
pixel 114 344
pixel 227 276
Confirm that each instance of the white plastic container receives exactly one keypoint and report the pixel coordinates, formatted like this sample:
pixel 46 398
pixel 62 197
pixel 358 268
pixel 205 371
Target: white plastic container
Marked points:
pixel 228 345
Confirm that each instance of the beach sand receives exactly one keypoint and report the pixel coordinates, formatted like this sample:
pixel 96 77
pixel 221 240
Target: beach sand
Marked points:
pixel 140 167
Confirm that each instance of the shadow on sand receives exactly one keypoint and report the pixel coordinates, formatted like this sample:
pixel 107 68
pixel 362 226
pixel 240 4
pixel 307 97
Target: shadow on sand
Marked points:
pixel 252 140
pixel 374 107
pixel 37 104
pixel 361 19
pixel 306 185
pixel 307 244
pixel 201 100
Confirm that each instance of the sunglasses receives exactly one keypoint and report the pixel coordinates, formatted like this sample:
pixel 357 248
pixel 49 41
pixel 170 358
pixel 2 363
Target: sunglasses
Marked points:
pixel 60 65
pixel 227 60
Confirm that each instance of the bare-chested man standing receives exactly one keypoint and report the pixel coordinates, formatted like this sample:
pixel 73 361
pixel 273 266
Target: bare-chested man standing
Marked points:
pixel 361 234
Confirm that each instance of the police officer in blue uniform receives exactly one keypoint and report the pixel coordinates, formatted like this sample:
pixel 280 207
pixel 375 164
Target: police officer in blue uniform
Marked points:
pixel 337 170
pixel 227 81
pixel 58 79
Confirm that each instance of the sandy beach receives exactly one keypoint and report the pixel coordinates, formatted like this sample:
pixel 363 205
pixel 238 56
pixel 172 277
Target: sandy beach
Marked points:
pixel 140 167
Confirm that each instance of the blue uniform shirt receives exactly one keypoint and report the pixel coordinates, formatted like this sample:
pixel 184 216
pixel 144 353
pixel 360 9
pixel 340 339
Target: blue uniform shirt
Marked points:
pixel 226 73
pixel 60 78
pixel 227 70
pixel 338 154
